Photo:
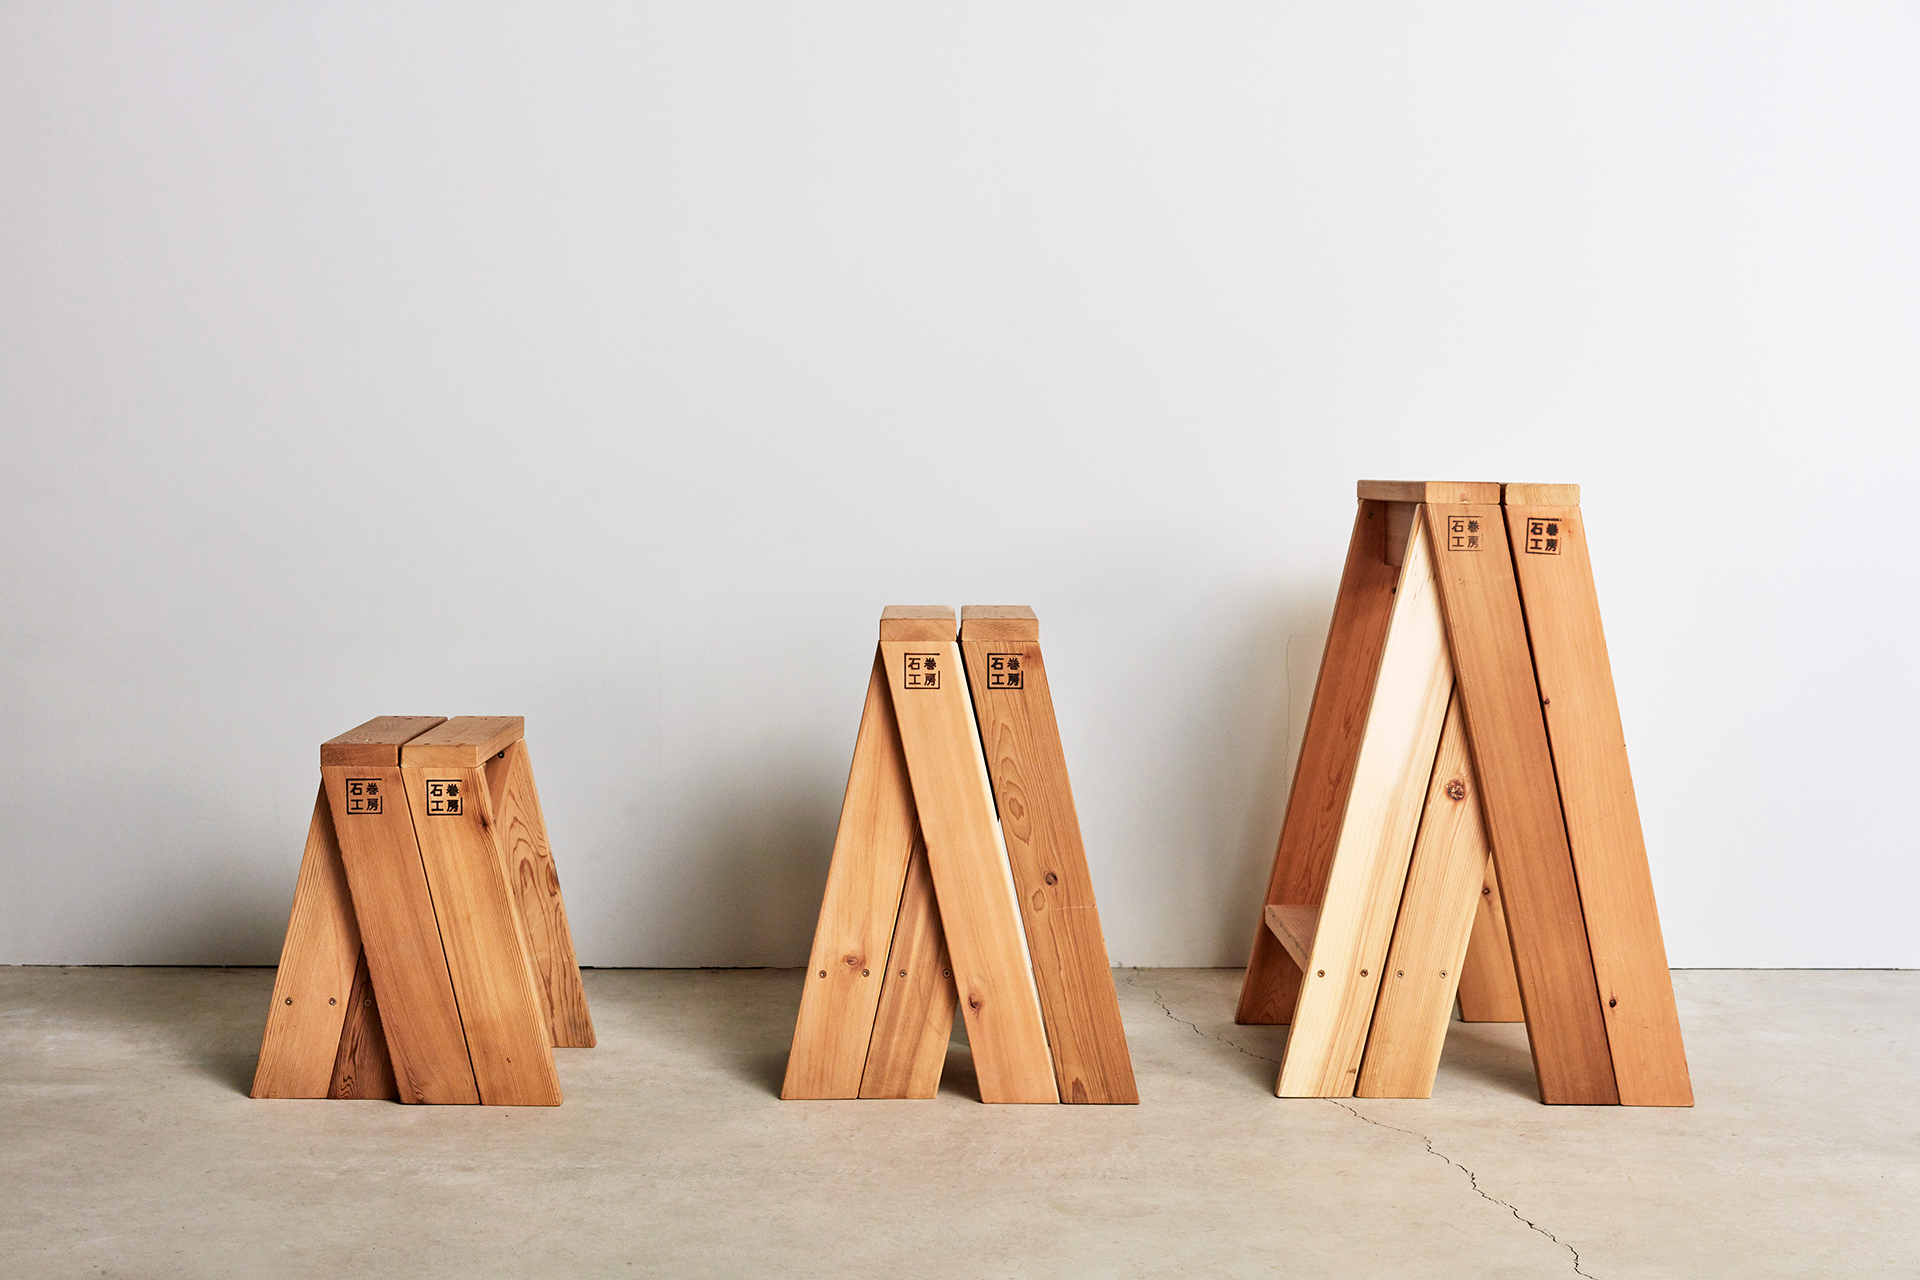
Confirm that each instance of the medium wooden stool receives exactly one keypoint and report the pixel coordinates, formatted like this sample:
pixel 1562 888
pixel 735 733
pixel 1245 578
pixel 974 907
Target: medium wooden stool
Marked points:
pixel 1465 707
pixel 428 957
pixel 933 899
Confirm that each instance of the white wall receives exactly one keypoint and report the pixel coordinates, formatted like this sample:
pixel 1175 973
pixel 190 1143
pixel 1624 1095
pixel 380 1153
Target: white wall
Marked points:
pixel 614 365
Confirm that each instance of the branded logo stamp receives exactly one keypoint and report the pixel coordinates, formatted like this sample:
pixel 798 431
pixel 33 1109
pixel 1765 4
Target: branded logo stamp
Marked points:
pixel 1003 671
pixel 443 798
pixel 923 671
pixel 1543 536
pixel 1463 533
pixel 363 795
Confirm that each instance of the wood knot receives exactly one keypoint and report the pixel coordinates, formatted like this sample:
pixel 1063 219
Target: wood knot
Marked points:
pixel 1052 878
pixel 973 1003
pixel 852 961
pixel 1456 789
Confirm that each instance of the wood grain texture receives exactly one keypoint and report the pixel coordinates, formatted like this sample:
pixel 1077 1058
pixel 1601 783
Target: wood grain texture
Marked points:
pixel 1324 773
pixel 917 622
pixel 361 1067
pixel 401 935
pixel 1520 803
pixel 534 880
pixel 1053 884
pixel 376 742
pixel 971 875
pixel 1596 794
pixel 506 1031
pixel 1390 776
pixel 914 1022
pixel 1417 491
pixel 1489 991
pixel 877 834
pixel 464 742
pixel 1294 926
pixel 1422 971
pixel 1016 622
pixel 317 960
pixel 1549 495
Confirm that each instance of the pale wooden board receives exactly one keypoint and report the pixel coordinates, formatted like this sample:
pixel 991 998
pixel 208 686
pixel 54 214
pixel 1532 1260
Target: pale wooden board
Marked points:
pixel 534 878
pixel 310 989
pixel 1417 491
pixel 1402 735
pixel 915 1018
pixel 506 1032
pixel 402 939
pixel 1546 495
pixel 971 876
pixel 1294 926
pixel 1328 750
pixel 361 1067
pixel 1596 794
pixel 917 622
pixel 1430 936
pixel 465 742
pixel 1054 886
pixel 877 833
pixel 1520 803
pixel 1488 990
pixel 1016 622
pixel 377 741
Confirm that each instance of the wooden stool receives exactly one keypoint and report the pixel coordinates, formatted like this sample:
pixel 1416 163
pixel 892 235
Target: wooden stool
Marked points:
pixel 428 957
pixel 1465 707
pixel 931 899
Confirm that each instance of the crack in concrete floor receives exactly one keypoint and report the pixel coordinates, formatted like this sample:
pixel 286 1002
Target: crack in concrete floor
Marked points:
pixel 1473 1179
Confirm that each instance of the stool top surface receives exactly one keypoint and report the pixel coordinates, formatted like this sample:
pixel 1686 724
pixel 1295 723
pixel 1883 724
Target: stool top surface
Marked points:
pixel 377 742
pixel 1436 491
pixel 917 622
pixel 1543 495
pixel 999 622
pixel 464 742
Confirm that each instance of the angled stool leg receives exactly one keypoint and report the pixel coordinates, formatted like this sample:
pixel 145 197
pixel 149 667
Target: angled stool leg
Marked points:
pixel 1488 990
pixel 312 986
pixel 361 1067
pixel 914 1021
pixel 878 830
pixel 1376 834
pixel 534 880
pixel 1430 937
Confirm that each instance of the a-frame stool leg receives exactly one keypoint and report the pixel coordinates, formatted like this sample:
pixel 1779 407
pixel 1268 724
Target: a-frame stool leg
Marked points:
pixel 362 1068
pixel 914 1021
pixel 1488 990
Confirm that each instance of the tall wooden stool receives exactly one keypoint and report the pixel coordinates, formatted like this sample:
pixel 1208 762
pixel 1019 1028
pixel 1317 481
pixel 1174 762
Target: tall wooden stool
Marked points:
pixel 428 957
pixel 933 899
pixel 1465 707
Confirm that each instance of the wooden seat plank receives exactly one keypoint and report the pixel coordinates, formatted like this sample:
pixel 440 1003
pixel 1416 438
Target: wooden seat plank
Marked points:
pixel 466 742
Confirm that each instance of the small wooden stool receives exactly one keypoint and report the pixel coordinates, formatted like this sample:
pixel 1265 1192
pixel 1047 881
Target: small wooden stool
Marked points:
pixel 428 957
pixel 931 897
pixel 1465 707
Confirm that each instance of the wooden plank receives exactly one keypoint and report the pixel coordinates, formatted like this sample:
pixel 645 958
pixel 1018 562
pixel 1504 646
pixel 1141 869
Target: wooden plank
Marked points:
pixel 917 622
pixel 506 1031
pixel 1520 803
pixel 401 934
pixel 1052 882
pixel 377 741
pixel 465 742
pixel 914 1022
pixel 311 986
pixel 1422 971
pixel 1596 794
pixel 1294 926
pixel 1417 491
pixel 1397 749
pixel 534 880
pixel 1328 750
pixel 361 1067
pixel 971 875
pixel 1545 495
pixel 1489 992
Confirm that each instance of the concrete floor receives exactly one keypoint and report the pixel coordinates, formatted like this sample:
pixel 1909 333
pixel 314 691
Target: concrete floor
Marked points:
pixel 128 1147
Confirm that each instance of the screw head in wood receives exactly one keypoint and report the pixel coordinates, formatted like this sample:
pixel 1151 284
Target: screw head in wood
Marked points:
pixel 903 973
pixel 331 1000
pixel 823 973
pixel 1363 973
pixel 865 974
pixel 1443 973
pixel 1613 1002
pixel 1320 973
pixel 289 999
pixel 1401 973
pixel 1052 878
pixel 946 973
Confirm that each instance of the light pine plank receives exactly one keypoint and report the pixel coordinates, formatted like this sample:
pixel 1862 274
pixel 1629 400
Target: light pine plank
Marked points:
pixel 534 880
pixel 361 1067
pixel 1596 793
pixel 1520 804
pixel 465 742
pixel 1488 990
pixel 1422 971
pixel 506 1032
pixel 401 935
pixel 1402 735
pixel 914 1022
pixel 311 986
pixel 1324 773
pixel 877 833
pixel 971 875
pixel 1418 491
pixel 1054 886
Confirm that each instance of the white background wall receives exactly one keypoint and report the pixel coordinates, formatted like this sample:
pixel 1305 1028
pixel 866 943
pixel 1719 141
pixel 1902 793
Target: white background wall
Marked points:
pixel 615 365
